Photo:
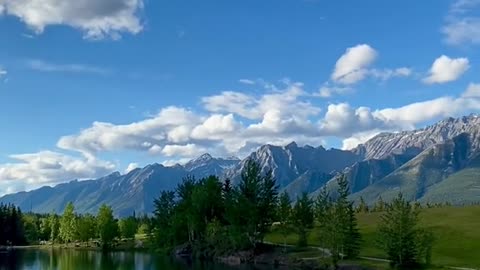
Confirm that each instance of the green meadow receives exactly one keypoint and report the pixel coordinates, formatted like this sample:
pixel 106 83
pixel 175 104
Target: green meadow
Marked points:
pixel 456 230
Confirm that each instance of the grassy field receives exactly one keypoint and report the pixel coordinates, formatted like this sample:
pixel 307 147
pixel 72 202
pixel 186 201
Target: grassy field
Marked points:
pixel 457 232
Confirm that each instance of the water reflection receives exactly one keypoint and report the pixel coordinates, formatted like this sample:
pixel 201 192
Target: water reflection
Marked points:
pixel 61 259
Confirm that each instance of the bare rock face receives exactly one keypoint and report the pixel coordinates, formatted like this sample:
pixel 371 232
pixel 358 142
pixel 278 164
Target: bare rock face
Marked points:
pixel 291 161
pixel 414 142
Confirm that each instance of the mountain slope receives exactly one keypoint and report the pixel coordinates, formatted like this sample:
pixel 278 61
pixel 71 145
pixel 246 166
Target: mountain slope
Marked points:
pixel 414 142
pixel 415 178
pixel 127 193
pixel 291 161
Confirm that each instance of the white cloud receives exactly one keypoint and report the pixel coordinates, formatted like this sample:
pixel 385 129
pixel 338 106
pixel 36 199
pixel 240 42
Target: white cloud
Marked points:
pixel 342 120
pixel 187 150
pixel 3 72
pixel 463 26
pixel 352 66
pixel 145 135
pixel 255 107
pixel 359 138
pixel 132 166
pixel 48 168
pixel 97 19
pixel 445 69
pixel 246 81
pixel 473 91
pixel 216 127
pixel 44 66
pixel 329 91
pixel 386 74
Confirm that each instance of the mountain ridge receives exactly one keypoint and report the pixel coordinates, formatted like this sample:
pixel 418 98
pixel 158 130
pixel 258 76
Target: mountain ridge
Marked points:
pixel 380 167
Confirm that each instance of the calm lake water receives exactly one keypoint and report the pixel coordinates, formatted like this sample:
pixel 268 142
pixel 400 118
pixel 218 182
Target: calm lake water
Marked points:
pixel 95 260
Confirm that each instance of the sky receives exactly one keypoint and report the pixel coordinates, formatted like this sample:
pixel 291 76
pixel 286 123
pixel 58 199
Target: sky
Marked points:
pixel 90 87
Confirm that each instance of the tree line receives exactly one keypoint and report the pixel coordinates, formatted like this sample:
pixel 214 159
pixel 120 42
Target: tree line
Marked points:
pixel 17 228
pixel 11 225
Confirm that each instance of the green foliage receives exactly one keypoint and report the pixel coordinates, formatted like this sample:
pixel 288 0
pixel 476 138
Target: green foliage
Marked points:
pixel 400 237
pixel 362 206
pixel 165 220
pixel 215 218
pixel 144 229
pixel 254 203
pixel 338 228
pixel 303 218
pixel 11 225
pixel 68 224
pixel 284 216
pixel 128 227
pixel 45 228
pixel 347 221
pixel 54 222
pixel 107 227
pixel 86 227
pixel 32 229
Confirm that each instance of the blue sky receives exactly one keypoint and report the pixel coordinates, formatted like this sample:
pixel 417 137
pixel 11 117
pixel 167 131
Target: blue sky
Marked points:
pixel 168 80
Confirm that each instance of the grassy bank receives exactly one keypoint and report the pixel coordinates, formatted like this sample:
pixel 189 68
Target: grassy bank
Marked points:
pixel 457 232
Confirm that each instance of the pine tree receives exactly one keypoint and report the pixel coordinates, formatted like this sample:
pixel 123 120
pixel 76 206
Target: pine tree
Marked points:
pixel 400 236
pixel 303 218
pixel 362 206
pixel 350 234
pixel 284 216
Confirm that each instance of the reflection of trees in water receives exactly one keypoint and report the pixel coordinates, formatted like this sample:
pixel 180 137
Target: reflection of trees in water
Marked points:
pixel 59 259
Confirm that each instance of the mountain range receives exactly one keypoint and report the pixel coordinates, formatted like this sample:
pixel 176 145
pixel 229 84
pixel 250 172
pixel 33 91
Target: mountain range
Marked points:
pixel 438 163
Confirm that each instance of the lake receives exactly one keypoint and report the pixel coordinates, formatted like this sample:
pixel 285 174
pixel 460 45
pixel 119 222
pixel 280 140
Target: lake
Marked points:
pixel 68 259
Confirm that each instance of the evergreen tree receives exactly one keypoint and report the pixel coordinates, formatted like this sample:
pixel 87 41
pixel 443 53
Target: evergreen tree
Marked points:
pixel 400 237
pixel 303 218
pixel 350 234
pixel 164 219
pixel 284 216
pixel 362 206
pixel 256 197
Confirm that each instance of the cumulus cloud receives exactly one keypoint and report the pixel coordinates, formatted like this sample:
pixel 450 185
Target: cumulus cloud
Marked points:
pixel 48 168
pixel 462 24
pixel 352 66
pixel 445 69
pixel 473 91
pixel 97 19
pixel 355 65
pixel 132 166
pixel 359 138
pixel 44 66
pixel 145 135
pixel 255 107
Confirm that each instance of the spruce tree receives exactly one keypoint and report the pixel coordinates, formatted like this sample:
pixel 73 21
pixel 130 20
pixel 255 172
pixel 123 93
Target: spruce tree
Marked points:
pixel 303 218
pixel 284 216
